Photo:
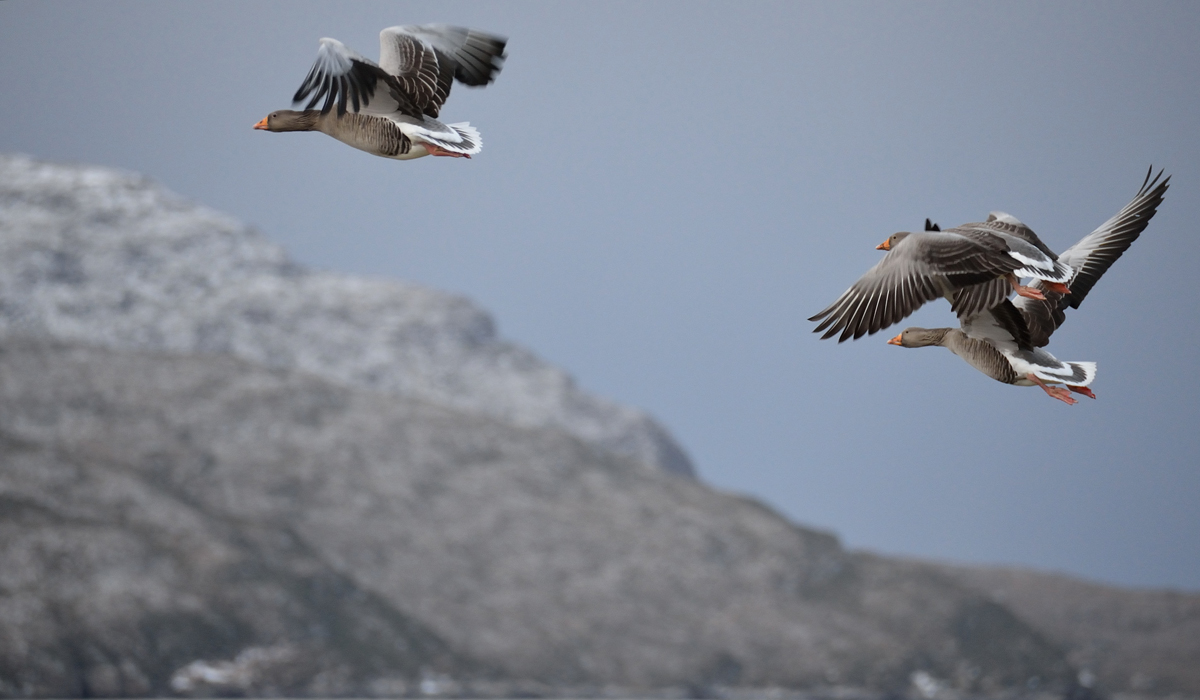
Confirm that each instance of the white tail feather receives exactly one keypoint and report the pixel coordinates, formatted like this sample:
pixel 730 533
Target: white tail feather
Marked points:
pixel 469 142
pixel 456 138
pixel 1089 371
pixel 1068 373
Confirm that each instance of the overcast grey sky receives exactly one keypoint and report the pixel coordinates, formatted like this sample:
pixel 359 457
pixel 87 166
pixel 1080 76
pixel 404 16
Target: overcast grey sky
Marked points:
pixel 667 191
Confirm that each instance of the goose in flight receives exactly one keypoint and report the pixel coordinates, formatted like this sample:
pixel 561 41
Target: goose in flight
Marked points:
pixel 390 108
pixel 997 342
pixel 1006 342
pixel 975 266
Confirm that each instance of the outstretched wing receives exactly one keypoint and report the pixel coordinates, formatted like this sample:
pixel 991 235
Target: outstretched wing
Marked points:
pixel 921 267
pixel 1091 257
pixel 342 77
pixel 1096 252
pixel 425 59
pixel 887 293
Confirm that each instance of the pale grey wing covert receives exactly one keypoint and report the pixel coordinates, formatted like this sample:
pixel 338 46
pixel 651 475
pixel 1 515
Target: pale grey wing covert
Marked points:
pixel 1031 256
pixel 1003 223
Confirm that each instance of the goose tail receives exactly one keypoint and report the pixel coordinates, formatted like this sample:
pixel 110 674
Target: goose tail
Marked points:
pixel 469 141
pixel 1086 369
pixel 1072 373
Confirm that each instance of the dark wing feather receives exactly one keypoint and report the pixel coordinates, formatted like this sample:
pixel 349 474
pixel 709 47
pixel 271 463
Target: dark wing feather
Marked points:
pixel 339 76
pixel 1091 257
pixel 1042 317
pixel 427 58
pixel 416 67
pixel 343 78
pixel 477 56
pixel 976 298
pixel 1011 320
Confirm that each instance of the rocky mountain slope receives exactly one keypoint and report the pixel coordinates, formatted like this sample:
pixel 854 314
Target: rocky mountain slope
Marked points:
pixel 109 258
pixel 244 511
pixel 1137 641
pixel 160 511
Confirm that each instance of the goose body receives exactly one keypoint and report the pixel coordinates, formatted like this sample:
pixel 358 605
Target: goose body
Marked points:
pixel 1006 342
pixel 401 138
pixel 996 342
pixel 390 108
pixel 974 266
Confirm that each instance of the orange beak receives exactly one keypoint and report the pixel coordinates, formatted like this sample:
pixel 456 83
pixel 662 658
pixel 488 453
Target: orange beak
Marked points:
pixel 896 340
pixel 262 124
pixel 884 246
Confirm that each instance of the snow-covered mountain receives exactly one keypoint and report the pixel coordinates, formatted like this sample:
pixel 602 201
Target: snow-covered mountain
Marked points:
pixel 95 255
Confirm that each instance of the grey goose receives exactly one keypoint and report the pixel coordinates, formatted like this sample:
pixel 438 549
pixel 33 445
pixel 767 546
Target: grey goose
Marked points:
pixel 974 266
pixel 997 342
pixel 390 108
pixel 1006 342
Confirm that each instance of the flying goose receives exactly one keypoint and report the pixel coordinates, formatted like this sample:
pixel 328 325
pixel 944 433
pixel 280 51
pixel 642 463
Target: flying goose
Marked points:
pixel 1006 341
pixel 975 266
pixel 390 109
pixel 997 342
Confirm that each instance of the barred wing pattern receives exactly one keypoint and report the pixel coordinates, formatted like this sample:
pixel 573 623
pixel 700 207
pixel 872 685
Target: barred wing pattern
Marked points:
pixel 428 58
pixel 474 57
pixel 417 65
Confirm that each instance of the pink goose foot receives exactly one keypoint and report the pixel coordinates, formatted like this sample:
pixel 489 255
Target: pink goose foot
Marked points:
pixel 1024 291
pixel 439 151
pixel 1055 392
pixel 1082 390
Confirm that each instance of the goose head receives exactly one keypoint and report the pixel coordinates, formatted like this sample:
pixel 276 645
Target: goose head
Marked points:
pixel 289 120
pixel 919 337
pixel 892 240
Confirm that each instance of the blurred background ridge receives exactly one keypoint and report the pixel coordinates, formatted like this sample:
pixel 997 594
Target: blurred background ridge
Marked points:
pixel 206 489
